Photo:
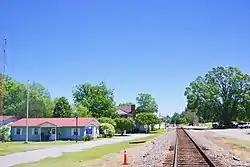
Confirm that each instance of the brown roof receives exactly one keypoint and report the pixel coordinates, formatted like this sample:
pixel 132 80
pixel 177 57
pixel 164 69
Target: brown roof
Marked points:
pixel 126 109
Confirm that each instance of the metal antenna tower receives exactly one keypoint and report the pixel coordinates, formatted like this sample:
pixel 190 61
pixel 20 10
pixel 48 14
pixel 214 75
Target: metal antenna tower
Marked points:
pixel 2 82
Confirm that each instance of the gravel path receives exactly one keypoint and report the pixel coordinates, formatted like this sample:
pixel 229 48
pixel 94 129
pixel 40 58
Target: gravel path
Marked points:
pixel 215 152
pixel 36 155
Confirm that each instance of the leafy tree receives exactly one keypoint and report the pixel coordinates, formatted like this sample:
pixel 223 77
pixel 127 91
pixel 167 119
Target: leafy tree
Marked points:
pixel 175 119
pixel 126 104
pixel 15 99
pixel 81 111
pixel 98 99
pixel 4 134
pixel 222 95
pixel 109 127
pixel 124 124
pixel 146 103
pixel 107 120
pixel 147 119
pixel 190 117
pixel 166 119
pixel 62 108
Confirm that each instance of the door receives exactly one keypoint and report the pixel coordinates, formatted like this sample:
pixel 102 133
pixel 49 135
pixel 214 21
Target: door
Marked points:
pixel 53 134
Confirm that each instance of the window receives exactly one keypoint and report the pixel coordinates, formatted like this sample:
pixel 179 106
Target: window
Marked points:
pixel 18 131
pixel 75 132
pixel 35 131
pixel 53 131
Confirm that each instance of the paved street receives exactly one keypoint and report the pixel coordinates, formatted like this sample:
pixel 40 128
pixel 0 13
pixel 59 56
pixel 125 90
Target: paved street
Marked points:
pixel 36 155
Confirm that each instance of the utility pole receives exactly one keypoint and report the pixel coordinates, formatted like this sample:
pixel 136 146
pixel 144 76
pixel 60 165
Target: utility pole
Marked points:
pixel 27 113
pixel 2 83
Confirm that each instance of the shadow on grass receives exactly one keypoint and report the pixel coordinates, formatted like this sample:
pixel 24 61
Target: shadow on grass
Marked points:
pixel 137 142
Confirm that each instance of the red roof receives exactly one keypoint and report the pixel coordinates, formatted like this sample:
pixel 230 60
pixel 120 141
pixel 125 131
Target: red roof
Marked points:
pixel 55 121
pixel 6 117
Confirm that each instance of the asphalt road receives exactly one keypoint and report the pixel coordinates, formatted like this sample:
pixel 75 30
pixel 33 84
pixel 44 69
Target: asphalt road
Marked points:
pixel 36 155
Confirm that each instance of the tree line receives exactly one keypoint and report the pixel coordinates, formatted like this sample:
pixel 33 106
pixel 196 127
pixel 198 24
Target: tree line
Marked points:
pixel 89 100
pixel 222 96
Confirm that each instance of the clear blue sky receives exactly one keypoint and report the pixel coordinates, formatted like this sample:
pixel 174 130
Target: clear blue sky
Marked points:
pixel 156 47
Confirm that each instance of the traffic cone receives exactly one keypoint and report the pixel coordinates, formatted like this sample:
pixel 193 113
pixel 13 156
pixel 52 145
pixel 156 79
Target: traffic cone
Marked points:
pixel 125 162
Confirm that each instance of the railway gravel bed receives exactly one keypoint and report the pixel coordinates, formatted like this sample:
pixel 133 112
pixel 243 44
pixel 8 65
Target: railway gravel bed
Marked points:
pixel 215 152
pixel 153 154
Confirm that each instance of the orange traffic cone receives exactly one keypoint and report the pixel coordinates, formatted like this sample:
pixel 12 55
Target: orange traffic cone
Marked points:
pixel 125 162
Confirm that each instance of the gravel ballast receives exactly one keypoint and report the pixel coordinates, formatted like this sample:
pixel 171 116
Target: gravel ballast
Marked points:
pixel 215 152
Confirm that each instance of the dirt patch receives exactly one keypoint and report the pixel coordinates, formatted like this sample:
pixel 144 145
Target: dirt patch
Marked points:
pixel 239 148
pixel 231 151
pixel 150 154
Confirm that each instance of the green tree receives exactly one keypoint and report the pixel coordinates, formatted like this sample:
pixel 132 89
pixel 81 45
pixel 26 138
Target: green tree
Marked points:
pixel 147 119
pixel 190 117
pixel 146 103
pixel 98 99
pixel 107 120
pixel 15 99
pixel 62 108
pixel 81 111
pixel 176 118
pixel 4 134
pixel 222 95
pixel 124 124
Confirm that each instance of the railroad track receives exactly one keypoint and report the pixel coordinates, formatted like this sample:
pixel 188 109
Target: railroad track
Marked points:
pixel 187 153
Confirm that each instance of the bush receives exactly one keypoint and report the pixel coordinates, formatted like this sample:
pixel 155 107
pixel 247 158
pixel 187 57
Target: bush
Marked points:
pixel 4 134
pixel 87 138
pixel 109 127
pixel 127 124
pixel 107 120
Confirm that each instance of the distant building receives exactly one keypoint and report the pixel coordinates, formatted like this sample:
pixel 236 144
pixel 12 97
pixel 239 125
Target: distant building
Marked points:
pixel 130 112
pixel 126 111
pixel 51 129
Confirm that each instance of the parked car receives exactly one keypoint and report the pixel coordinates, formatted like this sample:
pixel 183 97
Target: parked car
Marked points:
pixel 243 125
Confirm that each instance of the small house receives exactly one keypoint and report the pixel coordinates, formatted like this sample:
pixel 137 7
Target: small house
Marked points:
pixel 52 129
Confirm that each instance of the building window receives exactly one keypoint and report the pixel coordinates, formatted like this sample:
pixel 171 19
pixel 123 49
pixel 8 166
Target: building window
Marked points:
pixel 53 131
pixel 18 131
pixel 35 131
pixel 75 132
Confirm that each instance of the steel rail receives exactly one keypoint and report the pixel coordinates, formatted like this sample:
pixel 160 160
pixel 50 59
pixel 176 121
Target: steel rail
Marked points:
pixel 176 150
pixel 175 162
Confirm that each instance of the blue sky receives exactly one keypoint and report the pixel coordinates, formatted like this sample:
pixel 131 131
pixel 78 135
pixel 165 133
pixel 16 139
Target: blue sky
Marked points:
pixel 156 47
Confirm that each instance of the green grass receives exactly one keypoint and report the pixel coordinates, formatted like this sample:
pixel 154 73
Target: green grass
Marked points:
pixel 77 158
pixel 13 147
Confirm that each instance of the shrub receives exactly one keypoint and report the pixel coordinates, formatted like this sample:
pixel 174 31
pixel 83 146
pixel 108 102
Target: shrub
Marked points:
pixel 87 138
pixel 4 134
pixel 107 120
pixel 109 127
pixel 127 124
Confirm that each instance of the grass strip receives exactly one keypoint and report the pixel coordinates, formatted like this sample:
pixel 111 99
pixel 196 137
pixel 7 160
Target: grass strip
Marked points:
pixel 75 158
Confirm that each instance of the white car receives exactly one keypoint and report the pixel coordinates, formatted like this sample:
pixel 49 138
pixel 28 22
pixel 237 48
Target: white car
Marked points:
pixel 244 125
